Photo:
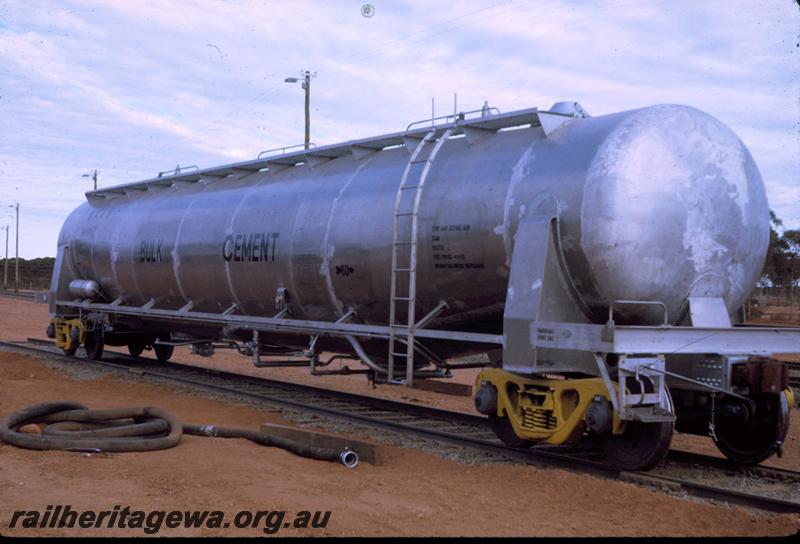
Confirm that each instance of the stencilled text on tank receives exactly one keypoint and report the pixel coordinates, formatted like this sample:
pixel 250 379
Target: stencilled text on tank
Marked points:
pixel 252 247
pixel 445 254
pixel 150 251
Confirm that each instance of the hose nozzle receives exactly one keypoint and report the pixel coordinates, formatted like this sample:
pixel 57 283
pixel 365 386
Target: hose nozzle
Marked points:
pixel 349 458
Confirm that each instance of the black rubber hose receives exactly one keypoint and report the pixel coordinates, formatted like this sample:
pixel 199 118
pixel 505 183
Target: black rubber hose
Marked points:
pixel 144 436
pixel 73 426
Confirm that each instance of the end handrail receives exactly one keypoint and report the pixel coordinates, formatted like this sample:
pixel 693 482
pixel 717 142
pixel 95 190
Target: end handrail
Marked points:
pixel 460 116
pixel 177 170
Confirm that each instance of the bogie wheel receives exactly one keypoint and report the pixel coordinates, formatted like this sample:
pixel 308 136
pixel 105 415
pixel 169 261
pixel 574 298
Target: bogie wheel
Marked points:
pixel 640 447
pixel 94 344
pixel 74 342
pixel 136 347
pixel 505 432
pixel 163 351
pixel 755 441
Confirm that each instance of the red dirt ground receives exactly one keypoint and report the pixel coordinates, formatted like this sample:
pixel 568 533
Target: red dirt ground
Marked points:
pixel 21 319
pixel 408 493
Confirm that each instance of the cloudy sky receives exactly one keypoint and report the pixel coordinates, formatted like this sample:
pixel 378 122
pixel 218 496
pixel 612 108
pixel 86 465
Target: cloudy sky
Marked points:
pixel 133 88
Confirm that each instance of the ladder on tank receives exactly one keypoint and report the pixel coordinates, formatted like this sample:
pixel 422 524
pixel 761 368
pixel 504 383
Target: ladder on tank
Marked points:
pixel 404 249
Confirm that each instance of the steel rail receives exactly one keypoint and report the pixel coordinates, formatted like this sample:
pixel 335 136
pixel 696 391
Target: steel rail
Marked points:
pixel 681 456
pixel 321 391
pixel 535 456
pixel 12 294
pixel 794 373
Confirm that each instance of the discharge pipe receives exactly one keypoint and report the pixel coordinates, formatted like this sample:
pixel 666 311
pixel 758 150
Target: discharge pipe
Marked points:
pixel 378 368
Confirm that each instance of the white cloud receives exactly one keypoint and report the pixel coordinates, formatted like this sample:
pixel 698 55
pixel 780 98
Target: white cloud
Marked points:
pixel 132 88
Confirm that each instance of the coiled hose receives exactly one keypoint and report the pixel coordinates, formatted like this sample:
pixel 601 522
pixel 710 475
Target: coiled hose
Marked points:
pixel 74 427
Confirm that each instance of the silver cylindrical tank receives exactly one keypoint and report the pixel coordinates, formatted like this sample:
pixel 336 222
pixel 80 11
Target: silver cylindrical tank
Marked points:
pixel 656 204
pixel 84 288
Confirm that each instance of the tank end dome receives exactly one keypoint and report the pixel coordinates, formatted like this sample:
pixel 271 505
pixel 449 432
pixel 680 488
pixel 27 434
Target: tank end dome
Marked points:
pixel 674 206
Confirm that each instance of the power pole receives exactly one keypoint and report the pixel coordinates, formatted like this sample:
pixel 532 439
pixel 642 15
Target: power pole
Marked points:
pixel 94 178
pixel 307 88
pixel 16 259
pixel 306 84
pixel 5 274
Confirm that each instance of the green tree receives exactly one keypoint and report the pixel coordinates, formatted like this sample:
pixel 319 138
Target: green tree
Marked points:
pixel 782 266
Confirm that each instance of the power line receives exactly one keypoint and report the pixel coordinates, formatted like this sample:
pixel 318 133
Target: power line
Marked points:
pixel 497 9
pixel 401 39
pixel 369 53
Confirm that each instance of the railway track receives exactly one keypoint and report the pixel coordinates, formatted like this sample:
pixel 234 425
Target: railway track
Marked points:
pixel 794 374
pixel 762 487
pixel 19 295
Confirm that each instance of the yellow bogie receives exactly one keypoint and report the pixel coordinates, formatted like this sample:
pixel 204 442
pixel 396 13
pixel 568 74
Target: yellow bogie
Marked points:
pixel 545 410
pixel 65 338
pixel 790 397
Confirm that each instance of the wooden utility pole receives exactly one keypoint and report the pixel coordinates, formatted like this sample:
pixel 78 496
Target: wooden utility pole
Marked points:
pixel 307 88
pixel 16 249
pixel 306 84
pixel 5 273
pixel 94 177
pixel 16 263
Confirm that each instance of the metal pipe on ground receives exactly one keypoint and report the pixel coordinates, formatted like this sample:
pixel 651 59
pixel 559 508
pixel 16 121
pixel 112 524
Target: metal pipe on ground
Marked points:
pixel 346 457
